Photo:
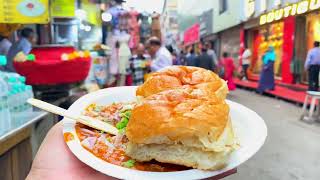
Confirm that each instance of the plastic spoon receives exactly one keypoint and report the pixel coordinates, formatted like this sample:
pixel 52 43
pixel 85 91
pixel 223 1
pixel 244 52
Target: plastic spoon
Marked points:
pixel 86 120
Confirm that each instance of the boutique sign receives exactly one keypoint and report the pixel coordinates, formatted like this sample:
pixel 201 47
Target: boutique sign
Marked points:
pixel 290 10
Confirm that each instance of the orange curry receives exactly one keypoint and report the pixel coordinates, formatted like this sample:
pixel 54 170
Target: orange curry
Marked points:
pixel 112 148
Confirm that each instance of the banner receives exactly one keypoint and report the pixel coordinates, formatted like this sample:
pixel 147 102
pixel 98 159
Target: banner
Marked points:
pixel 63 8
pixel 93 12
pixel 192 34
pixel 24 11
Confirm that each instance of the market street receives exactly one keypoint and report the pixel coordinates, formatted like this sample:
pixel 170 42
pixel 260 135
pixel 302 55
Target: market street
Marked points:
pixel 292 147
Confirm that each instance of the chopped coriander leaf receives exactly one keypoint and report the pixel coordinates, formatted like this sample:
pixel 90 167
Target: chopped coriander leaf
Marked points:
pixel 128 164
pixel 124 119
pixel 120 125
pixel 127 114
pixel 123 123
pixel 101 132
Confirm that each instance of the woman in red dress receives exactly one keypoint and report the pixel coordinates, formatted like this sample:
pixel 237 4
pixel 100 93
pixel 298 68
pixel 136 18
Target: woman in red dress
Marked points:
pixel 228 69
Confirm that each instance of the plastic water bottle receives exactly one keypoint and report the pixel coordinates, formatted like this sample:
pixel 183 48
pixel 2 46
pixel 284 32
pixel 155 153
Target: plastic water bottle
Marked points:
pixel 29 93
pixel 5 117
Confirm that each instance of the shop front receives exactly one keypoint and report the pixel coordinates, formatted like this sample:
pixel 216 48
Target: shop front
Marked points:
pixel 291 31
pixel 259 39
pixel 229 41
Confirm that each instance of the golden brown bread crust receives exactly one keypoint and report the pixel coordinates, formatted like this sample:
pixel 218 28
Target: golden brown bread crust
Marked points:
pixel 178 77
pixel 177 114
pixel 180 103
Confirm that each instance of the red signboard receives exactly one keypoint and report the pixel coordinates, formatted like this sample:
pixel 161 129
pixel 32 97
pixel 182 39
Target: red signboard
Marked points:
pixel 192 34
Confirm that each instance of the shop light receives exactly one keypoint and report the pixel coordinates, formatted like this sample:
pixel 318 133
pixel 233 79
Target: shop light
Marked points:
pixel 290 10
pixel 106 17
pixel 87 28
pixel 81 14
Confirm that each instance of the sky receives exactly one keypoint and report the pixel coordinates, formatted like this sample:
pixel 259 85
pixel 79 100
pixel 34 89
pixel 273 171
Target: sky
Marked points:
pixel 193 7
pixel 146 5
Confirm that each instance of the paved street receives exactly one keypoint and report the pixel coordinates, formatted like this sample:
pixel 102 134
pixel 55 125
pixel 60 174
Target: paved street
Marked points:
pixel 292 149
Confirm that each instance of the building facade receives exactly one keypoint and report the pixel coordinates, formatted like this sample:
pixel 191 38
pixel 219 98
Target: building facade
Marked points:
pixel 290 27
pixel 170 30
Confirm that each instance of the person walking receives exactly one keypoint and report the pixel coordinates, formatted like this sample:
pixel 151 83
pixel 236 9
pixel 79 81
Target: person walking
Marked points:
pixel 191 58
pixel 246 57
pixel 212 53
pixel 204 60
pixel 229 67
pixel 5 45
pixel 266 81
pixel 312 64
pixel 24 44
pixel 161 56
pixel 138 66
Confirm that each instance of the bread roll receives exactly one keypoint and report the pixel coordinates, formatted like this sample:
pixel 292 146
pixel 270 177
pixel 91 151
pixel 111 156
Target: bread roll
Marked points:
pixel 182 108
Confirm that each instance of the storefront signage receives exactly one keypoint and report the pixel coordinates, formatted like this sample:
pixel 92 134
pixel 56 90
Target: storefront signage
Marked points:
pixel 291 10
pixel 206 23
pixel 63 8
pixel 249 8
pixel 192 35
pixel 24 12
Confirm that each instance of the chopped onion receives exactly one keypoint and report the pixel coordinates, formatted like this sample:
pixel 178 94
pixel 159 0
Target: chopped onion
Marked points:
pixel 89 142
pixel 118 140
pixel 103 139
pixel 87 131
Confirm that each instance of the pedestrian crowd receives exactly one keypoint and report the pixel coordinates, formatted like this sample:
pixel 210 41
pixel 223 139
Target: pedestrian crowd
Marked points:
pixel 156 56
pixel 153 56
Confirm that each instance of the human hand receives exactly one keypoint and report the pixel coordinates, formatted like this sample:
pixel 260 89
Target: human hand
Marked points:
pixel 55 161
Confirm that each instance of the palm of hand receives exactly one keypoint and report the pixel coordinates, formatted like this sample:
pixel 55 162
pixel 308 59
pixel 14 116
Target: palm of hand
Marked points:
pixel 61 164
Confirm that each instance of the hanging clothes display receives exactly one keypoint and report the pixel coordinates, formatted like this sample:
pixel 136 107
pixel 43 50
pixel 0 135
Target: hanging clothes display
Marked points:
pixel 124 56
pixel 124 52
pixel 145 29
pixel 155 26
pixel 124 21
pixel 134 29
pixel 113 42
pixel 115 11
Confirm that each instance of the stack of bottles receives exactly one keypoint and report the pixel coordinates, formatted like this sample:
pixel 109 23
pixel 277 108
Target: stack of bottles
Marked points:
pixel 13 97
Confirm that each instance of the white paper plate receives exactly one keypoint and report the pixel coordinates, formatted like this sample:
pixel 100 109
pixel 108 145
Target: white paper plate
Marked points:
pixel 249 128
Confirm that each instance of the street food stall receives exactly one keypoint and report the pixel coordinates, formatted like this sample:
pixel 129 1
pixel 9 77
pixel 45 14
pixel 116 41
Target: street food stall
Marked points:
pixel 22 128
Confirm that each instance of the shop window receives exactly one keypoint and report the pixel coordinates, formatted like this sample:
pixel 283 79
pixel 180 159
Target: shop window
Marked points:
pixel 223 6
pixel 271 35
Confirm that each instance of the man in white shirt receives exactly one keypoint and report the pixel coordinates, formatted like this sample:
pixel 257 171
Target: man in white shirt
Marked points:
pixel 161 56
pixel 246 57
